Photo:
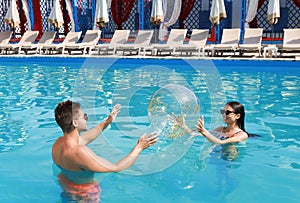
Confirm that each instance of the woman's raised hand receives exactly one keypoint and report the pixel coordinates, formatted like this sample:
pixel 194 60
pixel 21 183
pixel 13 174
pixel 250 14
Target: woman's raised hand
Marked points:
pixel 179 121
pixel 200 127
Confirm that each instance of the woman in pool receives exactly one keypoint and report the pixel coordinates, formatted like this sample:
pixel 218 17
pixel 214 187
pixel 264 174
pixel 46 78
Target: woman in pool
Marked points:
pixel 234 131
pixel 77 162
pixel 234 117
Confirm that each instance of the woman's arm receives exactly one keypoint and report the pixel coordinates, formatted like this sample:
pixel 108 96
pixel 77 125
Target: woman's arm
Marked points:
pixel 92 134
pixel 180 121
pixel 238 138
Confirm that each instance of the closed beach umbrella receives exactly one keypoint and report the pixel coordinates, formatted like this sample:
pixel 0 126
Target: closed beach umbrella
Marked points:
pixel 56 15
pixel 273 11
pixel 217 12
pixel 70 13
pixel 273 14
pixel 251 12
pixel 108 3
pixel 101 16
pixel 12 16
pixel 157 15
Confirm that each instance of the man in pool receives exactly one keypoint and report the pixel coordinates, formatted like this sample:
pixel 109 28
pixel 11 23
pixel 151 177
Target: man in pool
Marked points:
pixel 77 162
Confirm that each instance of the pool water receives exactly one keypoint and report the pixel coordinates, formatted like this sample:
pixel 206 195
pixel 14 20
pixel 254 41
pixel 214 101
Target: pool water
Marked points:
pixel 267 168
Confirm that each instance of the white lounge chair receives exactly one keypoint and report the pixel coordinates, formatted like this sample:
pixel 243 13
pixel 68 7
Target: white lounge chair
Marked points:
pixel 119 37
pixel 47 38
pixel 28 38
pixel 5 37
pixel 142 39
pixel 229 42
pixel 291 40
pixel 175 40
pixel 196 43
pixel 90 39
pixel 71 38
pixel 252 41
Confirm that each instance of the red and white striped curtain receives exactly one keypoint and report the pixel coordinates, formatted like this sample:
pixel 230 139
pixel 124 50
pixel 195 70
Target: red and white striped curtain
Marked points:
pixel 121 10
pixel 253 23
pixel 297 3
pixel 24 16
pixel 186 7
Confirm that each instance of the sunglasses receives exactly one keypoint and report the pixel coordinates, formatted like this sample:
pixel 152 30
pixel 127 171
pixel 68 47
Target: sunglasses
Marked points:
pixel 227 112
pixel 85 116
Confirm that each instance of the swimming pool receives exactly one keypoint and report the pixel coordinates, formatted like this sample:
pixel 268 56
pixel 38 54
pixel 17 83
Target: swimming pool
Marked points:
pixel 267 169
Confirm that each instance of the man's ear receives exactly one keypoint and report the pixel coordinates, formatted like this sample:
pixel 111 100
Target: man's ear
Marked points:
pixel 75 123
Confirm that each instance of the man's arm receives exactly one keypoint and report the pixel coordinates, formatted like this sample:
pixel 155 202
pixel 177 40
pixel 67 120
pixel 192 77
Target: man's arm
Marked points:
pixel 92 134
pixel 88 160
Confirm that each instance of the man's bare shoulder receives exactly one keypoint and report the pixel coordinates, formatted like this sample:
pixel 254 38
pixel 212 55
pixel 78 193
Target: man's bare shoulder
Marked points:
pixel 57 150
pixel 58 141
pixel 67 150
pixel 81 156
pixel 80 150
pixel 57 145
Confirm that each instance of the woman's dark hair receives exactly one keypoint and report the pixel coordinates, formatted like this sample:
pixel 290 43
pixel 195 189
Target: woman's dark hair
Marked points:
pixel 239 109
pixel 64 115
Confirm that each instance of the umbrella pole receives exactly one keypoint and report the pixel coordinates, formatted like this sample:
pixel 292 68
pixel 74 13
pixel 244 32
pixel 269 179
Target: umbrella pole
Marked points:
pixel 272 34
pixel 102 32
pixel 14 33
pixel 156 27
pixel 57 33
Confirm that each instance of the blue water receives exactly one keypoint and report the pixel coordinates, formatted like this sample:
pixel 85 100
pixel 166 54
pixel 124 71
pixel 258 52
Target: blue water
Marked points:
pixel 267 168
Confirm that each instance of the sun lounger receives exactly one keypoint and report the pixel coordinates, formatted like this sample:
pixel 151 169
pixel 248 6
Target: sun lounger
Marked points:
pixel 142 39
pixel 252 41
pixel 229 42
pixel 119 37
pixel 90 39
pixel 5 37
pixel 46 39
pixel 175 40
pixel 291 40
pixel 71 38
pixel 196 43
pixel 28 38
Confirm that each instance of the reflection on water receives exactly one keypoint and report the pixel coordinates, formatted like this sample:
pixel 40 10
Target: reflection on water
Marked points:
pixel 30 91
pixel 27 94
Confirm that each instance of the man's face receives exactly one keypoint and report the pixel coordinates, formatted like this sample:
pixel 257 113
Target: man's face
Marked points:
pixel 80 121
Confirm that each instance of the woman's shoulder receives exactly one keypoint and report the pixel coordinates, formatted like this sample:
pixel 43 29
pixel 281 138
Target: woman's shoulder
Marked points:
pixel 242 135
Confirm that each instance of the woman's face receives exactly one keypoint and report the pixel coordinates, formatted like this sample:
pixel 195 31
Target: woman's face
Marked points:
pixel 229 116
